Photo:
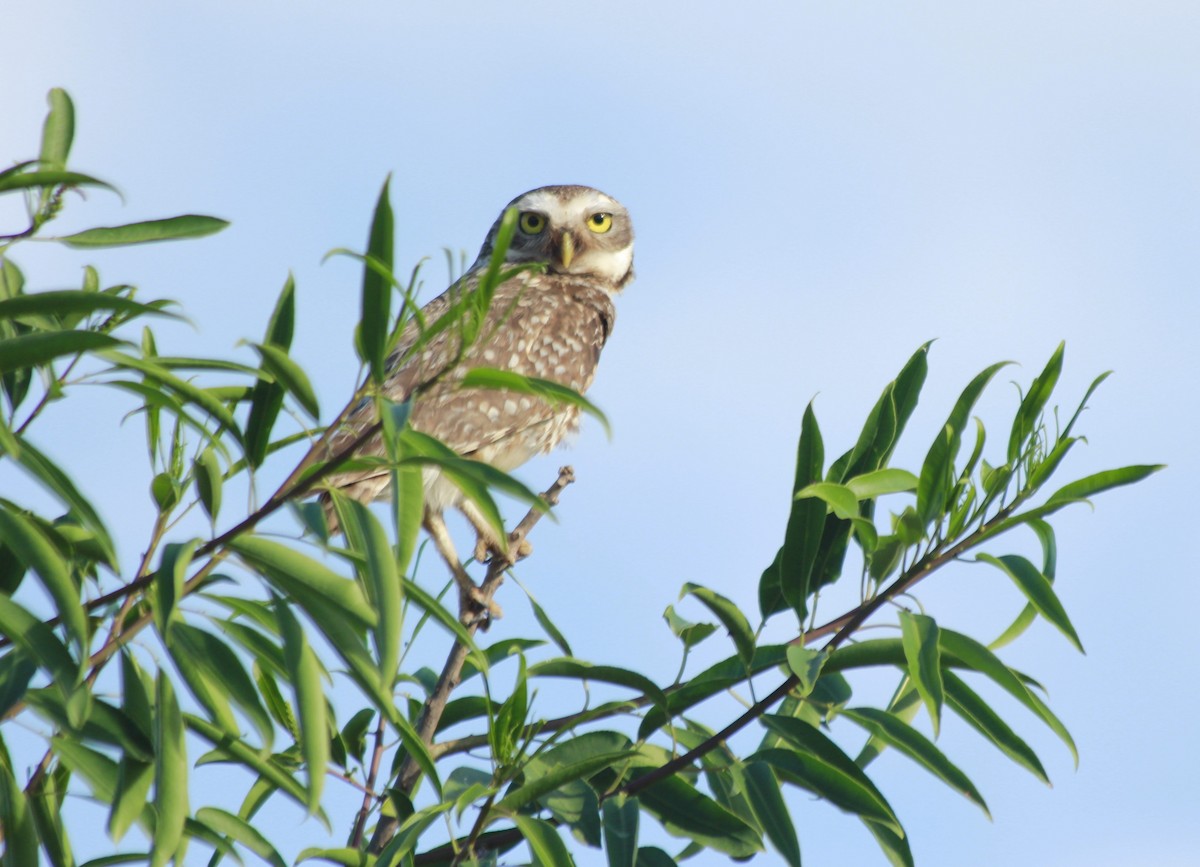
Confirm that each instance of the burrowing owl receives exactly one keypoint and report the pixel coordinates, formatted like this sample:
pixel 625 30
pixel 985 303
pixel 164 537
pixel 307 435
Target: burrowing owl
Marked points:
pixel 551 325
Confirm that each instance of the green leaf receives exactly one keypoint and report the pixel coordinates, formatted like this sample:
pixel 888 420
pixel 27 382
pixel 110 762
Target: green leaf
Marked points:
pixel 972 708
pixel 1037 590
pixel 266 399
pixel 207 472
pixel 190 393
pixel 39 347
pixel 1025 422
pixel 840 499
pixel 1095 484
pixel 548 626
pixel 242 832
pixel 894 845
pixel 919 636
pixel 730 616
pixel 685 812
pixel 29 543
pixel 49 178
pixel 313 585
pixel 42 645
pixel 547 847
pixel 766 800
pixel 916 746
pixel 378 574
pixel 46 794
pixel 817 764
pixel 20 833
pixel 787 583
pixel 557 777
pixel 170 776
pixel 806 664
pixel 970 653
pixel 237 751
pixel 170 229
pixel 58 130
pixel 223 671
pixel 376 289
pixel 620 825
pixel 290 375
pixel 305 674
pixel 168 582
pixel 580 670
pixel 937 473
pixel 73 302
pixel 689 633
pixel 874 484
pixel 552 392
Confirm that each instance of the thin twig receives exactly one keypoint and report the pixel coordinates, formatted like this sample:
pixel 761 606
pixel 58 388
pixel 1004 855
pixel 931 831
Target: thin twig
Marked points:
pixel 369 796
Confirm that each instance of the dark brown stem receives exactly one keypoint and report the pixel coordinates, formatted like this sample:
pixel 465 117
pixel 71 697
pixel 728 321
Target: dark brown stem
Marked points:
pixel 369 797
pixel 451 676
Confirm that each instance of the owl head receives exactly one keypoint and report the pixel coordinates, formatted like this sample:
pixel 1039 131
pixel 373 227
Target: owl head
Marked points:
pixel 574 230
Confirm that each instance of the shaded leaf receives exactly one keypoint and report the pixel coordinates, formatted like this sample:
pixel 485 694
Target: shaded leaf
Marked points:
pixel 39 347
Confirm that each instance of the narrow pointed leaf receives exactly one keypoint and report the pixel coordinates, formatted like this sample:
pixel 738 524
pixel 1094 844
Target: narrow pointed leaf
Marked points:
pixel 1034 401
pixel 170 775
pixel 730 616
pixel 874 484
pixel 58 131
pixel 972 708
pixel 916 746
pixel 170 229
pixel 241 832
pixel 314 585
pixel 971 654
pixel 766 800
pixel 1037 590
pixel 620 824
pixel 1099 482
pixel 379 576
pixel 31 546
pixel 290 375
pixel 305 675
pixel 919 636
pixel 39 347
pixel 375 317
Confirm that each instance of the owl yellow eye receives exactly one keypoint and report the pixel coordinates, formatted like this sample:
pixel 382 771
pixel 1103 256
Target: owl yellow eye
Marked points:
pixel 600 223
pixel 532 223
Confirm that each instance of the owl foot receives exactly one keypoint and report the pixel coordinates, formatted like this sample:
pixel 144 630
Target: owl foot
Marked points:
pixel 473 604
pixel 486 549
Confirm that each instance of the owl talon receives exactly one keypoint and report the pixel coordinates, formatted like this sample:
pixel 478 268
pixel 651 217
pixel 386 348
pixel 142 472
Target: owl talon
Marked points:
pixel 486 550
pixel 474 606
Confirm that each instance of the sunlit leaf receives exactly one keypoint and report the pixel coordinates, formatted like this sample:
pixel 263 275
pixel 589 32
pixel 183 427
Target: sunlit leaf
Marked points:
pixel 170 775
pixel 305 674
pixel 170 229
pixel 916 746
pixel 730 616
pixel 919 636
pixel 1037 590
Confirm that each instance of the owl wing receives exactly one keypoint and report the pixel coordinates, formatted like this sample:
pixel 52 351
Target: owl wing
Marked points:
pixel 543 325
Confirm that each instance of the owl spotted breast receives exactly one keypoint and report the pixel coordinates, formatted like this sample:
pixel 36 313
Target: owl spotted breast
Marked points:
pixel 550 324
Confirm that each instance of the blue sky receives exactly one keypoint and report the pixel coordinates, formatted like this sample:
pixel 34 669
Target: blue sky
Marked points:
pixel 817 189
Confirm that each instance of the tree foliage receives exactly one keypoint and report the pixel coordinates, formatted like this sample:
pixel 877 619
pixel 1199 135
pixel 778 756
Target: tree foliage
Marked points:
pixel 136 678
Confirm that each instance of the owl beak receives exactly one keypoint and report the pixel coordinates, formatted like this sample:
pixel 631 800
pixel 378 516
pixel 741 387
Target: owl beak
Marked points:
pixel 567 250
